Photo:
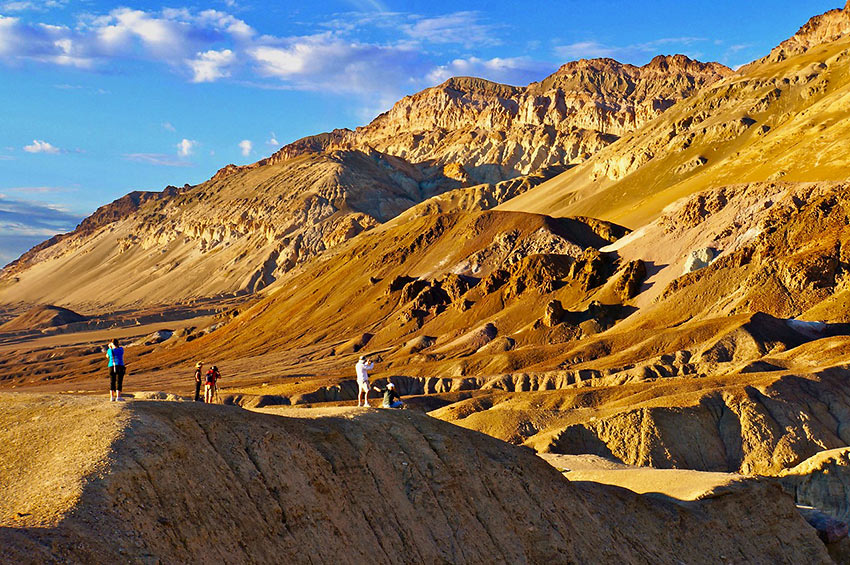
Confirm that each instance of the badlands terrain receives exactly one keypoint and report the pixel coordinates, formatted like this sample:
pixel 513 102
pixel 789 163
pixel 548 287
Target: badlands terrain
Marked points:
pixel 614 301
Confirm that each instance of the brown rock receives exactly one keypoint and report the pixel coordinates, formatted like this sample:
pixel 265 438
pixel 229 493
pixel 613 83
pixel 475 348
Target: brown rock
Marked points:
pixel 554 314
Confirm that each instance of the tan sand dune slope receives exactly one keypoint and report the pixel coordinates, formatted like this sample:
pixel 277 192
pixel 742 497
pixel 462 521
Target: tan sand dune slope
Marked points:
pixel 188 483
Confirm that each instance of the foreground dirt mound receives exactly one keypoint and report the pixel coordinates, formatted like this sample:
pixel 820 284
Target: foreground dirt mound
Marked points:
pixel 42 317
pixel 213 484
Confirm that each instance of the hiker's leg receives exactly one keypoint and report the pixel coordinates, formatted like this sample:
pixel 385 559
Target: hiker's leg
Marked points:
pixel 120 372
pixel 112 383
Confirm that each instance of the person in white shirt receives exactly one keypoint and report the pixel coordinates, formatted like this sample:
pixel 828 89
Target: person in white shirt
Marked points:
pixel 362 368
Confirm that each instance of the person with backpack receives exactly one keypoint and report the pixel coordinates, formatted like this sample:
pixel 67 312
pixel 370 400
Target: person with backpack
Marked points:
pixel 199 378
pixel 115 364
pixel 362 368
pixel 391 397
pixel 211 382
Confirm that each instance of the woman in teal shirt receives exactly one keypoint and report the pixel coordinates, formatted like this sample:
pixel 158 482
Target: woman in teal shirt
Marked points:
pixel 115 355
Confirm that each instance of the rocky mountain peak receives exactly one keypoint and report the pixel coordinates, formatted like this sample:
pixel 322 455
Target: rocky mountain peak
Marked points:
pixel 479 85
pixel 821 29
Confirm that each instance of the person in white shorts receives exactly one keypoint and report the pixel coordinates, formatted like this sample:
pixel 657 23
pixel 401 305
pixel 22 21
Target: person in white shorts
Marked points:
pixel 362 368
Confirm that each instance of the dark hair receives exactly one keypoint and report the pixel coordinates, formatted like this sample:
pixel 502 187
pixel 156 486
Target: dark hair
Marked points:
pixel 214 368
pixel 115 342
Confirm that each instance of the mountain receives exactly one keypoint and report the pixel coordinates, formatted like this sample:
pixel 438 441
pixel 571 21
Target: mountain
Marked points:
pixel 245 227
pixel 497 131
pixel 782 117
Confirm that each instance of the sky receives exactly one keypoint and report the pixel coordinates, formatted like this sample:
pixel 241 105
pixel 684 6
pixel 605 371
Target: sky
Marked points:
pixel 101 98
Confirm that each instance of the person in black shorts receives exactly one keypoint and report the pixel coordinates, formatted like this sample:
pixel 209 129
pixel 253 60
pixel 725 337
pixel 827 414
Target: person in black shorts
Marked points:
pixel 115 356
pixel 199 379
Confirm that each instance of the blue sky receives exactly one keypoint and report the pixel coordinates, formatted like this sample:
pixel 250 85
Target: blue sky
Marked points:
pixel 101 98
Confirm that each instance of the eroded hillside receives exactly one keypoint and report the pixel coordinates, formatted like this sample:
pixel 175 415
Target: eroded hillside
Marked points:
pixel 182 482
pixel 783 117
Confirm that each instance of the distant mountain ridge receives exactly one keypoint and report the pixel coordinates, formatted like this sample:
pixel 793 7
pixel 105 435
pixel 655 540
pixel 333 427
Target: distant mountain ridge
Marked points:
pixel 246 226
pixel 497 131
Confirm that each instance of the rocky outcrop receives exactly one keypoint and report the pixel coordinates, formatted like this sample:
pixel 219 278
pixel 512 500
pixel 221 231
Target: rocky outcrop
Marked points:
pixel 824 28
pixel 699 259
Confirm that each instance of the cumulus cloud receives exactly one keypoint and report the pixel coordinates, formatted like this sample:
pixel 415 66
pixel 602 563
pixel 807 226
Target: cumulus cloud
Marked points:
pixel 326 62
pixel 186 147
pixel 211 65
pixel 273 140
pixel 246 146
pixel 211 45
pixel 41 42
pixel 159 159
pixel 41 146
pixel 180 38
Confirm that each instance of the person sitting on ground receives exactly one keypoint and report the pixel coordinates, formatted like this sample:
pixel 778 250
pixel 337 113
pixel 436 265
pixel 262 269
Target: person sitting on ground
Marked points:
pixel 391 397
pixel 211 383
pixel 199 378
pixel 115 357
pixel 362 368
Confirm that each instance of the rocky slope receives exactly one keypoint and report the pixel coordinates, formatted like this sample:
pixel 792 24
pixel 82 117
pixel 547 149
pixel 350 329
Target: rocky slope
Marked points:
pixel 783 117
pixel 496 131
pixel 233 234
pixel 181 482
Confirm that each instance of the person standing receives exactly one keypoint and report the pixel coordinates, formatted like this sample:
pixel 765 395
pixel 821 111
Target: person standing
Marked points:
pixel 211 382
pixel 115 358
pixel 199 378
pixel 362 368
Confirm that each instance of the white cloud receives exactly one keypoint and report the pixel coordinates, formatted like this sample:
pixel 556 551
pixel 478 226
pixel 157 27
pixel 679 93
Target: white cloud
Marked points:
pixel 273 140
pixel 225 22
pixel 25 223
pixel 210 45
pixel 635 53
pixel 246 146
pixel 167 126
pixel 211 65
pixel 32 5
pixel 41 146
pixel 512 70
pixel 460 27
pixel 39 189
pixel 176 37
pixel 159 159
pixel 186 147
pixel 326 62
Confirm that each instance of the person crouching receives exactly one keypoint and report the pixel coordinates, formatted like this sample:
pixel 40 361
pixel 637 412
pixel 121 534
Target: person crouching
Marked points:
pixel 391 397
